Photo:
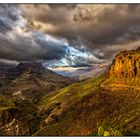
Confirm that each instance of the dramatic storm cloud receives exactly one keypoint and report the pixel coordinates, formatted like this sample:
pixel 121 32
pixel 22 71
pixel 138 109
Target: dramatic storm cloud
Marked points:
pixel 67 34
pixel 100 23
pixel 31 46
pixel 16 44
pixel 96 26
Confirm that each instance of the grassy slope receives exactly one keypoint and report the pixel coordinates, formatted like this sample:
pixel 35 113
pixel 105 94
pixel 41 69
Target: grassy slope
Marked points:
pixel 83 107
pixel 70 94
pixel 67 98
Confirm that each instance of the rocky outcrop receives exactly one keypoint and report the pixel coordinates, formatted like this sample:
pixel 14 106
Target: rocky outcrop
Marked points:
pixel 126 65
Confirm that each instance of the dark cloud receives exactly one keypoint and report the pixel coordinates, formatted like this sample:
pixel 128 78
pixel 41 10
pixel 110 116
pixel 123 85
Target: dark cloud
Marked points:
pixel 8 17
pixel 96 26
pixel 16 44
pixel 100 23
pixel 30 47
pixel 20 42
pixel 101 29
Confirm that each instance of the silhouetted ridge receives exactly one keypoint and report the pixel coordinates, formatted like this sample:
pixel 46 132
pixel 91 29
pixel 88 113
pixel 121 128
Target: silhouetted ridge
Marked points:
pixel 31 67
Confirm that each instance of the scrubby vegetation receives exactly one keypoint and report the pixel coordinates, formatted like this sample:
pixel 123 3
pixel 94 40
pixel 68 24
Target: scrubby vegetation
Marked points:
pixel 117 109
pixel 109 132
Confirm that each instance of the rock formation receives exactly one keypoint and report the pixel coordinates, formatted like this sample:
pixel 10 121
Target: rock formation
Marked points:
pixel 126 65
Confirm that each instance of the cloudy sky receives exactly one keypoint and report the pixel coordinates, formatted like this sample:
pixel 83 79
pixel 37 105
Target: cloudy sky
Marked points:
pixel 67 34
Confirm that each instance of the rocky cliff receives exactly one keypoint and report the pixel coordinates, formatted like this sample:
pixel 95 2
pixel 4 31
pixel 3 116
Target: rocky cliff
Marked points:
pixel 126 66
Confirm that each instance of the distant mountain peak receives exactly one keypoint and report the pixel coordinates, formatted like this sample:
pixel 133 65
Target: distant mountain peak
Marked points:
pixel 30 66
pixel 30 76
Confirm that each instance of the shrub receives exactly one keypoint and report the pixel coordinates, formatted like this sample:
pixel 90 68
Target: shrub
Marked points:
pixel 101 131
pixel 106 134
pixel 118 133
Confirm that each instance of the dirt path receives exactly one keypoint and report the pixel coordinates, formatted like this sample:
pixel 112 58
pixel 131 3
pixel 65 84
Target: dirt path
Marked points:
pixel 116 86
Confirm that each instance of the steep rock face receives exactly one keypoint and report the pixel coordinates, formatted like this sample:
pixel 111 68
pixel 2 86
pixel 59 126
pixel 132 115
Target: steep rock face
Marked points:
pixel 126 65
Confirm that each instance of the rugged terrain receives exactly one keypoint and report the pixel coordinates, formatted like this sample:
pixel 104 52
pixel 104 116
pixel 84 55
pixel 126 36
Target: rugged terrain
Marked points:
pixel 36 101
pixel 21 87
pixel 30 80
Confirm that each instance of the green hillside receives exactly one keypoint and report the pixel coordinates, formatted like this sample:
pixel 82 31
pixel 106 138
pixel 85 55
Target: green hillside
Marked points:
pixel 81 108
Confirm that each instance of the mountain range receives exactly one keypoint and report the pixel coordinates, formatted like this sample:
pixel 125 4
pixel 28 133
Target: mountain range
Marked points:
pixel 38 101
